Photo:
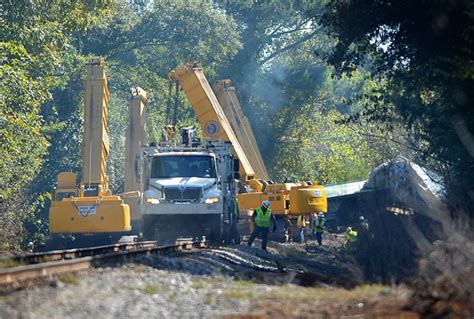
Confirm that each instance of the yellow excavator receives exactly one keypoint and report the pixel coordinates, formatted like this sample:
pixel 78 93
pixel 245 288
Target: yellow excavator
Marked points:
pixel 220 117
pixel 90 208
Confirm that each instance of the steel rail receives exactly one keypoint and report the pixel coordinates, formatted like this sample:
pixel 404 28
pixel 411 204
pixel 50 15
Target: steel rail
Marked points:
pixel 44 269
pixel 53 255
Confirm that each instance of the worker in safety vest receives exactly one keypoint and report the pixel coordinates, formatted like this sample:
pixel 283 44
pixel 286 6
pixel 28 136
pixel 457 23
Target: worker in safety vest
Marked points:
pixel 351 235
pixel 29 247
pixel 364 224
pixel 262 217
pixel 287 229
pixel 318 226
pixel 301 223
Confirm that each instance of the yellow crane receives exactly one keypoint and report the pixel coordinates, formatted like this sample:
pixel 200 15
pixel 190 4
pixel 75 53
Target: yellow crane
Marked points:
pixel 91 207
pixel 220 116
pixel 136 137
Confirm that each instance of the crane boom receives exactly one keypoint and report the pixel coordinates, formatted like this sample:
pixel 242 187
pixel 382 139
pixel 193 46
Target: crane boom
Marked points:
pixel 211 117
pixel 135 137
pixel 95 146
pixel 227 97
pixel 92 208
pixel 221 117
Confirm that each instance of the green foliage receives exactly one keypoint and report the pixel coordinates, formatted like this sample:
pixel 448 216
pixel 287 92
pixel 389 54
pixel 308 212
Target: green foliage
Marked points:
pixel 318 145
pixel 141 46
pixel 34 46
pixel 424 52
pixel 166 34
pixel 138 52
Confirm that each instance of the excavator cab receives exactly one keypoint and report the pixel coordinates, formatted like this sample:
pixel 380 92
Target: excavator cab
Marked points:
pixel 66 186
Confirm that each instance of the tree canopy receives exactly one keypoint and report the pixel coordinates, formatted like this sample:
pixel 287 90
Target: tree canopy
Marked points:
pixel 424 52
pixel 331 88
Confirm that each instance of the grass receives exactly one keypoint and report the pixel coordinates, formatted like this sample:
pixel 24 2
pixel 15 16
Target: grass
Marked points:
pixel 210 299
pixel 9 263
pixel 300 294
pixel 199 284
pixel 68 278
pixel 151 289
pixel 206 282
pixel 239 293
pixel 243 283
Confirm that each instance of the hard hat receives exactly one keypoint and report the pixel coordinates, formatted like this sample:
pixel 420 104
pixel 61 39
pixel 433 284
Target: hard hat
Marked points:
pixel 266 203
pixel 30 244
pixel 320 214
pixel 361 218
pixel 349 228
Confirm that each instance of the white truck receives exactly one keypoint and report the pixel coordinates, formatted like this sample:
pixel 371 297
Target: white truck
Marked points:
pixel 189 189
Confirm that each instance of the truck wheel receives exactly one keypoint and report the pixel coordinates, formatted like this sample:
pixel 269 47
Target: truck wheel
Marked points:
pixel 236 237
pixel 216 229
pixel 149 227
pixel 226 234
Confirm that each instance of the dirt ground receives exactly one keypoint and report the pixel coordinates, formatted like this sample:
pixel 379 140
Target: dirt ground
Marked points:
pixel 291 280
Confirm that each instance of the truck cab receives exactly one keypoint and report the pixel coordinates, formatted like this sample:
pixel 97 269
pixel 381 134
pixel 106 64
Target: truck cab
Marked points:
pixel 183 178
pixel 189 190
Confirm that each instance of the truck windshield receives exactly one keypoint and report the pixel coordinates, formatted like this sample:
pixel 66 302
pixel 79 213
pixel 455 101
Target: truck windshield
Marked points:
pixel 183 166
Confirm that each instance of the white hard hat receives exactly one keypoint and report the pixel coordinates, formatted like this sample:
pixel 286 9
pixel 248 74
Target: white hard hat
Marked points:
pixel 320 214
pixel 361 218
pixel 266 203
pixel 349 228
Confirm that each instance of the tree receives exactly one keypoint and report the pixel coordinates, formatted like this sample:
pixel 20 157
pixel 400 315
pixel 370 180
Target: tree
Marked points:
pixel 423 50
pixel 34 48
pixel 142 45
pixel 166 34
pixel 139 52
pixel 318 145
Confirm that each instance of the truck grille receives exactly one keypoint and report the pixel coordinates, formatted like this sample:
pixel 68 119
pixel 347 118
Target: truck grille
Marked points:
pixel 186 194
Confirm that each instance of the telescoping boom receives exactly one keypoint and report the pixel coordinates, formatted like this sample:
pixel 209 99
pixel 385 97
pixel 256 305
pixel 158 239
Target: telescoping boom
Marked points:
pixel 91 208
pixel 220 117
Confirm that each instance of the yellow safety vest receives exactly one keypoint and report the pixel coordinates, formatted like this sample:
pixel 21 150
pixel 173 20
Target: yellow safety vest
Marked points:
pixel 319 225
pixel 263 218
pixel 301 221
pixel 351 235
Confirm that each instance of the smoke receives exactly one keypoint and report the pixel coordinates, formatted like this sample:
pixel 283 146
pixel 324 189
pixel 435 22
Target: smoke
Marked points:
pixel 265 87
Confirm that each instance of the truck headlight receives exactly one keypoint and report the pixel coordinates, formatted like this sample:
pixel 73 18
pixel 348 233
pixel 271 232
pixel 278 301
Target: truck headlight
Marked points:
pixel 151 200
pixel 212 200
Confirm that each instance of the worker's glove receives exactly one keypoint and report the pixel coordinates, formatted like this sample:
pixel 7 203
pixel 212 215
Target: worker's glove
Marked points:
pixel 274 228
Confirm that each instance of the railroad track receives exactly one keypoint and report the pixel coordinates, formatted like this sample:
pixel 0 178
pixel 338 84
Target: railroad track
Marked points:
pixel 42 265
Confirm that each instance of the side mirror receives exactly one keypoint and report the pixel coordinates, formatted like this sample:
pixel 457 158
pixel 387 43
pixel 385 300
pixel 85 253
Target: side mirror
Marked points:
pixel 236 165
pixel 236 169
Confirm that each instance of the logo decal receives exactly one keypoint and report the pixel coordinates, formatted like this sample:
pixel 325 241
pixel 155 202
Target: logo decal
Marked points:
pixel 211 128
